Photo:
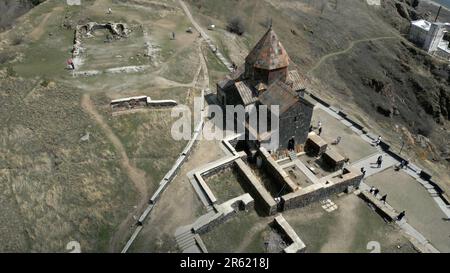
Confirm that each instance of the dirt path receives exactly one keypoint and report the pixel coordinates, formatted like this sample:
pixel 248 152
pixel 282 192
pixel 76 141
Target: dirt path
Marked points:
pixel 37 33
pixel 179 205
pixel 204 67
pixel 136 175
pixel 345 51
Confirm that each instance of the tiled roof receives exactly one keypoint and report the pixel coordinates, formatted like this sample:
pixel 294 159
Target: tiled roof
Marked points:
pixel 296 80
pixel 268 53
pixel 279 93
pixel 248 96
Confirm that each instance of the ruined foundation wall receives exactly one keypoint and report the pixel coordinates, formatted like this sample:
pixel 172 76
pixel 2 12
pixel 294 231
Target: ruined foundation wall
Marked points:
pixel 226 211
pixel 256 189
pixel 275 171
pixel 316 192
pixel 296 244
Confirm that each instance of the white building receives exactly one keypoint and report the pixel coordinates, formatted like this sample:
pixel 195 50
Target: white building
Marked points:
pixel 429 36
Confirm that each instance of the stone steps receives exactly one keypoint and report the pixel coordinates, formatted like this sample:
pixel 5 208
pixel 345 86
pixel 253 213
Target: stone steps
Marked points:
pixel 185 239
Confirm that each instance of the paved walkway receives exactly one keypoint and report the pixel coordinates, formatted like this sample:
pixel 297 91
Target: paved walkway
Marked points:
pixel 370 165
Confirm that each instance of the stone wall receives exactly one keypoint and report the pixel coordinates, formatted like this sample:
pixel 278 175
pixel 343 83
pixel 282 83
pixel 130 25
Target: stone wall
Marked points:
pixel 315 145
pixel 319 191
pixel 295 122
pixel 256 189
pixel 296 244
pixel 333 160
pixel 274 170
pixel 224 212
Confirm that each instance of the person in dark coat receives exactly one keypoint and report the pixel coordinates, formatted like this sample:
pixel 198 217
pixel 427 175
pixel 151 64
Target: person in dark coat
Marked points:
pixel 363 171
pixel 291 144
pixel 376 191
pixel 400 215
pixel 379 161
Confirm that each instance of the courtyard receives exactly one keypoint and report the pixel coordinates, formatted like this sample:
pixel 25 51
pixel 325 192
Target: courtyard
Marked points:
pixel 351 146
pixel 225 185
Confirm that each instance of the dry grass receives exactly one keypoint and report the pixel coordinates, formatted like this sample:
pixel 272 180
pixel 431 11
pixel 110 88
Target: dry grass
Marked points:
pixel 54 187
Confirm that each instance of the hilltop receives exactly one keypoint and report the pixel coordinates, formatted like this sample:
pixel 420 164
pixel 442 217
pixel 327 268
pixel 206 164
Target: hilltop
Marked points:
pixel 358 58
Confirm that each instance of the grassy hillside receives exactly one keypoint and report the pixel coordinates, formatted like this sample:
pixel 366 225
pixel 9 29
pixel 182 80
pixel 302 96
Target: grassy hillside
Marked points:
pixel 357 57
pixel 56 186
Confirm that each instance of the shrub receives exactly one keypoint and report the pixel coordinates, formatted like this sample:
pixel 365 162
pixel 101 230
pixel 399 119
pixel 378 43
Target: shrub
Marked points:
pixel 6 57
pixel 236 25
pixel 17 40
pixel 10 72
pixel 45 82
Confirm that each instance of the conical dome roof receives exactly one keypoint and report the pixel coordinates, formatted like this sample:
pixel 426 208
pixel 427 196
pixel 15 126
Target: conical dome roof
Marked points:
pixel 268 53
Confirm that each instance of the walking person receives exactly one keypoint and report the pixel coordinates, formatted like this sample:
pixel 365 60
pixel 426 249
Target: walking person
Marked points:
pixel 379 161
pixel 320 131
pixel 291 144
pixel 363 171
pixel 400 216
pixel 375 192
pixel 402 164
pixel 383 198
pixel 377 141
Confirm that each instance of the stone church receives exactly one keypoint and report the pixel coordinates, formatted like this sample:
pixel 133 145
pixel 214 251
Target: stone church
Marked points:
pixel 265 79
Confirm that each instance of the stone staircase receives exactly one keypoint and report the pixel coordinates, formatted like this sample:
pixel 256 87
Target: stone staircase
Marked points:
pixel 292 155
pixel 186 242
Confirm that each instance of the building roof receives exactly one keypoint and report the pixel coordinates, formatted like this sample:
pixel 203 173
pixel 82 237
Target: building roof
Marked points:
pixel 237 73
pixel 225 83
pixel 279 93
pixel 423 24
pixel 296 81
pixel 246 93
pixel 268 53
pixel 260 87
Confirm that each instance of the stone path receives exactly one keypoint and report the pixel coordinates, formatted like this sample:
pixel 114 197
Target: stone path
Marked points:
pixel 389 162
pixel 186 240
pixel 417 237
pixel 370 165
pixel 205 36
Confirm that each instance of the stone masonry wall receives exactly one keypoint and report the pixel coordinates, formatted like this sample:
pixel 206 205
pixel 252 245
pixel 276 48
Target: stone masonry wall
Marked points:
pixel 256 189
pixel 275 171
pixel 316 192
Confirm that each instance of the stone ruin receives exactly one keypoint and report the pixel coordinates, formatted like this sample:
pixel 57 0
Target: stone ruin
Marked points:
pixel 117 30
pixel 294 197
pixel 137 102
